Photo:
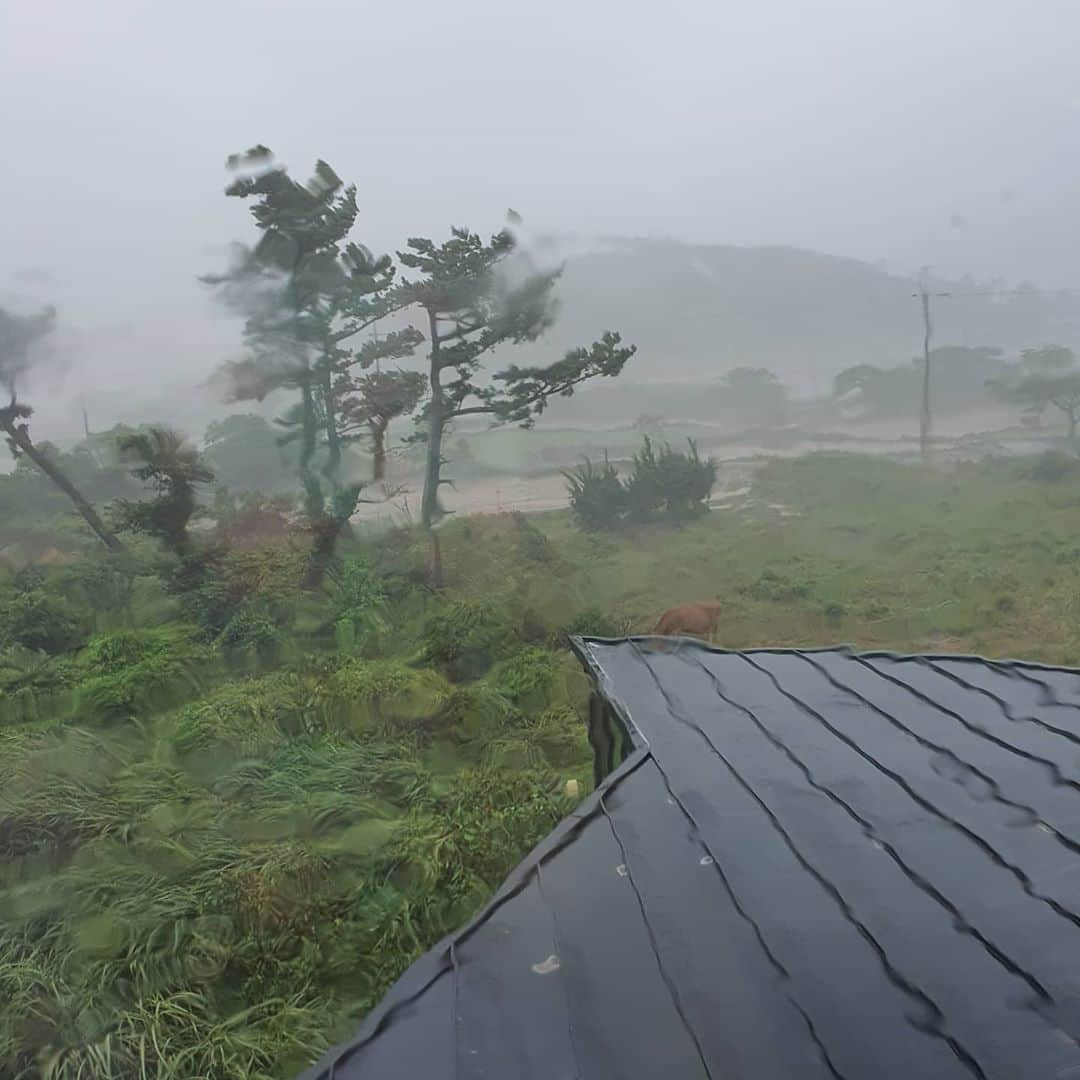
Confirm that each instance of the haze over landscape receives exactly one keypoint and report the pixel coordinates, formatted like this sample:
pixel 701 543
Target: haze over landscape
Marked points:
pixel 897 135
pixel 365 367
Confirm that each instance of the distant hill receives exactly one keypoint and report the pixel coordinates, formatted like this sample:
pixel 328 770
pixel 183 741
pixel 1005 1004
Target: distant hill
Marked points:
pixel 694 312
pixel 697 311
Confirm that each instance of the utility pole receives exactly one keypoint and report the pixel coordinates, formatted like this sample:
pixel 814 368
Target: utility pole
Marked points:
pixel 925 417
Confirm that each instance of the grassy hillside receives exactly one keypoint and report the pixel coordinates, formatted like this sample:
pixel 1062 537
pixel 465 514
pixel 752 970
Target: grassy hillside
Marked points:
pixel 227 823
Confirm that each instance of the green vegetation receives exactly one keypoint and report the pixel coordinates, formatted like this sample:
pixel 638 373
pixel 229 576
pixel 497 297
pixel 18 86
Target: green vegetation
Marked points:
pixel 307 292
pixel 233 808
pixel 837 547
pixel 222 838
pixel 960 377
pixel 471 308
pixel 1048 375
pixel 662 485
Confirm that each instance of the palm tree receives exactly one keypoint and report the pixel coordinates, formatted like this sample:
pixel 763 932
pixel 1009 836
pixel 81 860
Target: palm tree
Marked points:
pixel 165 459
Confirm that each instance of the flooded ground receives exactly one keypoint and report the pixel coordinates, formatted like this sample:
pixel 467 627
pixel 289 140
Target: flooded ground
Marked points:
pixel 537 487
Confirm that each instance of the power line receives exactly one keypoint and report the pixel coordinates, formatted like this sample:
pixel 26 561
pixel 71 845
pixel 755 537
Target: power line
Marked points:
pixel 1009 292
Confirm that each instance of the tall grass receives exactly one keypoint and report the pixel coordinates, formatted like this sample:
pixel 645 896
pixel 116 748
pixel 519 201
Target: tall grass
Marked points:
pixel 215 858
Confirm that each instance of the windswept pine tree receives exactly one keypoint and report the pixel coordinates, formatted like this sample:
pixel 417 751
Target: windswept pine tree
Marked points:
pixel 473 300
pixel 306 291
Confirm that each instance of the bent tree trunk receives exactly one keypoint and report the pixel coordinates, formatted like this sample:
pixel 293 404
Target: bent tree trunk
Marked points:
pixel 313 496
pixel 325 534
pixel 430 508
pixel 333 438
pixel 377 427
pixel 435 568
pixel 21 438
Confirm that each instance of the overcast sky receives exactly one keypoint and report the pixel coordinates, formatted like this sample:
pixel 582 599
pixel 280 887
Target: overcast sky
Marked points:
pixel 925 131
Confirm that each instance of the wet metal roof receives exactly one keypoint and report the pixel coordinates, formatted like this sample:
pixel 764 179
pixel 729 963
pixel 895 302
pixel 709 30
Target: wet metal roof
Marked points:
pixel 810 864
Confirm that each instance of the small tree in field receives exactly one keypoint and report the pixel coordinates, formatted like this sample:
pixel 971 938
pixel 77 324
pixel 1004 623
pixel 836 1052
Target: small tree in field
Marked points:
pixel 370 401
pixel 164 459
pixel 756 395
pixel 472 305
pixel 1048 375
pixel 18 333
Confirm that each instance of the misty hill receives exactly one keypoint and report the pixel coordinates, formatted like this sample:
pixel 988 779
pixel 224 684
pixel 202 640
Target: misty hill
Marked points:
pixel 697 311
pixel 693 311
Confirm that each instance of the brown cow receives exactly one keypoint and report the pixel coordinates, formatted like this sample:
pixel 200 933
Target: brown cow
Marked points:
pixel 696 620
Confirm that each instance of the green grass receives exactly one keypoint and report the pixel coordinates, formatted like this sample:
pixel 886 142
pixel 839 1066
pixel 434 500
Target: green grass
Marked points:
pixel 214 861
pixel 844 548
pixel 215 856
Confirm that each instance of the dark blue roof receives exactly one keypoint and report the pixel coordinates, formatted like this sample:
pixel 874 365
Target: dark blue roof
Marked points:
pixel 811 864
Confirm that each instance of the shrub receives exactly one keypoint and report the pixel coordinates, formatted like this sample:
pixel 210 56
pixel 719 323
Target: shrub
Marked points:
pixel 467 637
pixel 478 710
pixel 664 484
pixel 562 736
pixel 251 628
pixel 214 587
pixel 533 545
pixel 525 678
pixel 597 496
pixel 107 654
pixel 360 602
pixel 668 483
pixel 776 587
pixel 135 671
pixel 591 622
pixel 247 716
pixel 1054 466
pixel 38 619
pixel 381 692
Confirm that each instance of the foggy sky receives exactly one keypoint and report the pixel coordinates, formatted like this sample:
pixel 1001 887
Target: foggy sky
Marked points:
pixel 938 132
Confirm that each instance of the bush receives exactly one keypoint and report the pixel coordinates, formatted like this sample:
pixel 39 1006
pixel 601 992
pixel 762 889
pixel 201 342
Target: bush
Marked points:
pixel 525 678
pixel 109 654
pixel 212 588
pixel 37 620
pixel 467 637
pixel 1054 466
pixel 668 483
pixel 247 717
pixel 360 602
pixel 591 622
pixel 665 484
pixel 597 496
pixel 133 672
pixel 383 693
pixel 777 588
pixel 533 545
pixel 252 628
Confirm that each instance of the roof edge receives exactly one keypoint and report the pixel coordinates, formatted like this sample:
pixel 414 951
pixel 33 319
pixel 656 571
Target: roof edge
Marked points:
pixel 579 645
pixel 424 971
